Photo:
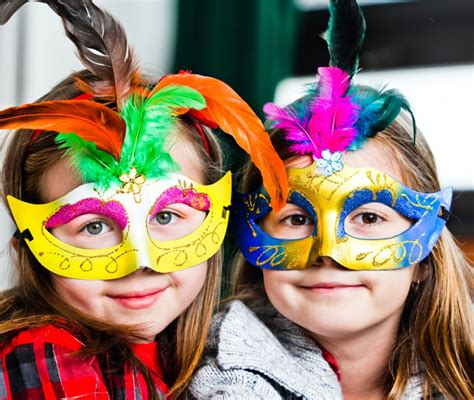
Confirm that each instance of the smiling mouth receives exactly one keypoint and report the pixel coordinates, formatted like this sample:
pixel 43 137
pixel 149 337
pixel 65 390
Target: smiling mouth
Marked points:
pixel 332 286
pixel 139 299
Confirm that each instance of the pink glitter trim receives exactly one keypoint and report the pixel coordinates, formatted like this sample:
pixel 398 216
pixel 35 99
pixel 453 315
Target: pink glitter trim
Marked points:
pixel 68 212
pixel 199 201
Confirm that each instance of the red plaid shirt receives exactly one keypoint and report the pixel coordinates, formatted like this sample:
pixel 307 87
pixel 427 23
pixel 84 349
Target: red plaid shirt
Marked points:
pixel 40 364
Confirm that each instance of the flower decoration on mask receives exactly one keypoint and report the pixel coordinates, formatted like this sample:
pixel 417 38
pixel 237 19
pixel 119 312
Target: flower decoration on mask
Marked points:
pixel 132 183
pixel 330 162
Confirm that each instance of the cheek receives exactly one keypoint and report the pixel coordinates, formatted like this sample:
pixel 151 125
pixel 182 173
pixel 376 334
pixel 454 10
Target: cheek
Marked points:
pixel 80 294
pixel 390 288
pixel 279 286
pixel 189 282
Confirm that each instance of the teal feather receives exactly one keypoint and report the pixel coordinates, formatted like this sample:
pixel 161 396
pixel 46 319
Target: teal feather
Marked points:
pixel 378 109
pixel 345 34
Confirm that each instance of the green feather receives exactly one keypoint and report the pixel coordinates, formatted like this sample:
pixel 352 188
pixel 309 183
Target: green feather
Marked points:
pixel 150 123
pixel 92 164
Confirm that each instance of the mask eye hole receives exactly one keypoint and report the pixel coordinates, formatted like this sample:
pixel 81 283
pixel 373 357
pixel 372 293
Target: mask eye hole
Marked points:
pixel 376 221
pixel 89 231
pixel 292 222
pixel 175 221
pixel 177 213
pixel 89 224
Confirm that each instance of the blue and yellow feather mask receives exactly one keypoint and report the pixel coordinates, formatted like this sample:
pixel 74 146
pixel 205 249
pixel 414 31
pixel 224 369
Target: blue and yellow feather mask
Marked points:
pixel 334 117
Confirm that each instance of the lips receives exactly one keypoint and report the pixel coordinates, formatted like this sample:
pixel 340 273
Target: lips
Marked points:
pixel 140 299
pixel 332 286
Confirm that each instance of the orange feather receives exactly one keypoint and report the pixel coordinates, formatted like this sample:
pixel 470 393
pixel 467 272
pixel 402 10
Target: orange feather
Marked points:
pixel 89 120
pixel 235 117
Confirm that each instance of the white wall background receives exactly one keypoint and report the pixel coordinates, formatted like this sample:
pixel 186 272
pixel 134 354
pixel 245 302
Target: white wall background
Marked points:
pixel 35 54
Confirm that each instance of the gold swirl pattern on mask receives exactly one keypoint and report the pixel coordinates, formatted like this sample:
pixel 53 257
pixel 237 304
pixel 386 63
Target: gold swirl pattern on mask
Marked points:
pixel 275 255
pixel 395 252
pixel 325 187
pixel 85 263
pixel 426 204
pixel 252 200
pixel 197 246
pixel 250 204
pixel 81 259
pixel 381 181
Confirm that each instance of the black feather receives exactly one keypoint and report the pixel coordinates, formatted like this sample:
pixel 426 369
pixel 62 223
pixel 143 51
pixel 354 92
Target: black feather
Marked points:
pixel 345 34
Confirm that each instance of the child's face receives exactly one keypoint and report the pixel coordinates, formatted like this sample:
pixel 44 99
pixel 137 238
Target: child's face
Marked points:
pixel 332 301
pixel 145 298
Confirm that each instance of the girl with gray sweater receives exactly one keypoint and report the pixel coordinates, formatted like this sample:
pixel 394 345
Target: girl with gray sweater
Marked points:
pixel 360 292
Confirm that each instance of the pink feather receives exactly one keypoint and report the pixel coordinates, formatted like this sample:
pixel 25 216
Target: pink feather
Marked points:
pixel 328 124
pixel 332 114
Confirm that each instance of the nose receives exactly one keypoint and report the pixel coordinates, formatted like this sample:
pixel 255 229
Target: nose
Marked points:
pixel 145 270
pixel 143 260
pixel 325 261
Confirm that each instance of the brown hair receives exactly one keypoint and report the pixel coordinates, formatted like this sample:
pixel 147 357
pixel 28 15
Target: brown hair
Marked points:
pixel 435 333
pixel 34 302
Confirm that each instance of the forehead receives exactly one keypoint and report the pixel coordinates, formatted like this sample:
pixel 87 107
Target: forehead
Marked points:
pixel 374 155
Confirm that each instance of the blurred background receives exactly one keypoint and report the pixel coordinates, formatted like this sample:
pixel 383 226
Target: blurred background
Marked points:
pixel 268 50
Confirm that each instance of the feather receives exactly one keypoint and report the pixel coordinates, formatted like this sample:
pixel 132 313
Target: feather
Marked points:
pixel 235 117
pixel 345 34
pixel 149 121
pixel 91 121
pixel 90 163
pixel 102 47
pixel 332 113
pixel 294 129
pixel 8 8
pixel 378 109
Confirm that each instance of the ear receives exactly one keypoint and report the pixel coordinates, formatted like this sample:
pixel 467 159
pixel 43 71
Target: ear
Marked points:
pixel 420 273
pixel 15 243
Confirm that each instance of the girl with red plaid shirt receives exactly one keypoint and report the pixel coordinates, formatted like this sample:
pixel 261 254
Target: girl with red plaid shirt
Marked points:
pixel 120 206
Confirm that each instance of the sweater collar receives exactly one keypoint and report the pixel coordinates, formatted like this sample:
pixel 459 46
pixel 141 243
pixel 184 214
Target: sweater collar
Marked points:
pixel 278 349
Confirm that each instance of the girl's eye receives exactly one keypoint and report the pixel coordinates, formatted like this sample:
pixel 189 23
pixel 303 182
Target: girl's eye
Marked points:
pixel 165 217
pixel 369 218
pixel 176 221
pixel 375 221
pixel 96 228
pixel 291 222
pixel 297 220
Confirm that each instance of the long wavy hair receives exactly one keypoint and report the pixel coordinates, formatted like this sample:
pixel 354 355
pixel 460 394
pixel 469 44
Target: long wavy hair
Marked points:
pixel 33 301
pixel 435 336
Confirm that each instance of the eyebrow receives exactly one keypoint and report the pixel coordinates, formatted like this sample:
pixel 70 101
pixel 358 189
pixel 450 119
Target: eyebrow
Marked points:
pixel 111 209
pixel 189 197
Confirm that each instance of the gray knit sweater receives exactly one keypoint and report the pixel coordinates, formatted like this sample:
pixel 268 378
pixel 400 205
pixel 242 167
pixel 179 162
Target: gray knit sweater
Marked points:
pixel 266 357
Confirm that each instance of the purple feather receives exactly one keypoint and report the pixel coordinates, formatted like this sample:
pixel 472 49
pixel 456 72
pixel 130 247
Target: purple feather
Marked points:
pixel 295 130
